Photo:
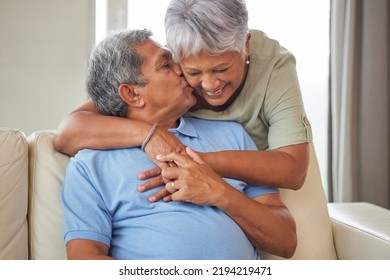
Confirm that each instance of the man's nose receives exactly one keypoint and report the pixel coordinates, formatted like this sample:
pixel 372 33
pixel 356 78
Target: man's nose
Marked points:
pixel 177 69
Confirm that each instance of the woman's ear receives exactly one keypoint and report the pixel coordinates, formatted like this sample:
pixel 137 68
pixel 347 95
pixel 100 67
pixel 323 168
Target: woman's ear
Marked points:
pixel 130 96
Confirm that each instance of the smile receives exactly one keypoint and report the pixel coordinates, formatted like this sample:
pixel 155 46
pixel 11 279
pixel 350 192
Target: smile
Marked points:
pixel 216 92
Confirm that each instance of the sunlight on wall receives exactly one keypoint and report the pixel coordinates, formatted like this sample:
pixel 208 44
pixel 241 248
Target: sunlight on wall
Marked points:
pixel 100 20
pixel 301 26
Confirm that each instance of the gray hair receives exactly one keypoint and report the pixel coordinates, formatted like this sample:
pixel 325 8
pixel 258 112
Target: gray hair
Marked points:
pixel 113 62
pixel 214 26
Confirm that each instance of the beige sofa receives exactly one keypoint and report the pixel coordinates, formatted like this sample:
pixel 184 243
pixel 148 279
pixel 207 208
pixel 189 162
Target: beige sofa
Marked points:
pixel 31 172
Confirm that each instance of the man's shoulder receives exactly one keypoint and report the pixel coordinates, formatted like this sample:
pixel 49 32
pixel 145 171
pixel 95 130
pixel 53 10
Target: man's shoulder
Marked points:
pixel 218 129
pixel 85 157
pixel 212 124
pixel 87 153
pixel 91 155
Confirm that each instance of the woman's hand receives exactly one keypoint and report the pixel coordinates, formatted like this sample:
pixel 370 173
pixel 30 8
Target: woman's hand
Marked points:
pixel 192 180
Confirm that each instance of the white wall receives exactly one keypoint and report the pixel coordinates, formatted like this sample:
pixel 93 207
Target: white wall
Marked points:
pixel 44 50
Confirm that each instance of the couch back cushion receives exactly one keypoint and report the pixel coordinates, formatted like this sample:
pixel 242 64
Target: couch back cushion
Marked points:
pixel 13 195
pixel 46 172
pixel 309 208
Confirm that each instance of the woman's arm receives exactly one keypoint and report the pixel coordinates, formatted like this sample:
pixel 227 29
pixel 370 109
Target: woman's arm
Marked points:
pixel 285 167
pixel 265 219
pixel 87 127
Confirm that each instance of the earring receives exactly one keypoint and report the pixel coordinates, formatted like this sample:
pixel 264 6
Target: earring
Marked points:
pixel 247 60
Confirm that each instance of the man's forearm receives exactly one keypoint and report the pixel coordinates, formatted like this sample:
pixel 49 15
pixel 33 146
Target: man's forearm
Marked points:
pixel 86 256
pixel 83 249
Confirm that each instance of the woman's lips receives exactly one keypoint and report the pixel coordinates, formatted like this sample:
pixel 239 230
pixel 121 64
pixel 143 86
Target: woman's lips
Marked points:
pixel 216 92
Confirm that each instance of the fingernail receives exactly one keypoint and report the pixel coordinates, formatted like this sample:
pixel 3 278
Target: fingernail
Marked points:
pixel 152 199
pixel 141 188
pixel 159 157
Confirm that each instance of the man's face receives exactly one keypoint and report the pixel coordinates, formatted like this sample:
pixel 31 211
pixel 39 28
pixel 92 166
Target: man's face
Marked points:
pixel 166 92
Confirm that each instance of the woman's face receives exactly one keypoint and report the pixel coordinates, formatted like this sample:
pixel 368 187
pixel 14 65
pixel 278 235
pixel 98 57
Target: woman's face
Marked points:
pixel 215 78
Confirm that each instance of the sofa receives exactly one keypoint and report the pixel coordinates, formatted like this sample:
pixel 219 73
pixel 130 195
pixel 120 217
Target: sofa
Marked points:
pixel 31 173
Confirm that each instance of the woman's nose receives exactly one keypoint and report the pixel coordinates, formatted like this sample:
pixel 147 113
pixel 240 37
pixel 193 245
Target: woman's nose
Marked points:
pixel 210 82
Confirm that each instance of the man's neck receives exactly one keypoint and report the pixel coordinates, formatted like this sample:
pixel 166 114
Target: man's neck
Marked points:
pixel 166 122
pixel 169 125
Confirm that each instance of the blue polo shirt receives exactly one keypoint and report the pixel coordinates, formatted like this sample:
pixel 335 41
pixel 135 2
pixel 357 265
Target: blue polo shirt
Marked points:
pixel 101 202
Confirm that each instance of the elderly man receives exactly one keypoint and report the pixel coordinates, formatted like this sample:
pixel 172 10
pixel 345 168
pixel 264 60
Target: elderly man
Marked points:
pixel 105 216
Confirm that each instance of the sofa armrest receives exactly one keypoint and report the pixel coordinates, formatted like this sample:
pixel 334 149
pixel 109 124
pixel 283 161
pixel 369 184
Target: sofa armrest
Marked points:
pixel 360 230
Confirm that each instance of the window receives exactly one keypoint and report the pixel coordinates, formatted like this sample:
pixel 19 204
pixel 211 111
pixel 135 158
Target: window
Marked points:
pixel 301 26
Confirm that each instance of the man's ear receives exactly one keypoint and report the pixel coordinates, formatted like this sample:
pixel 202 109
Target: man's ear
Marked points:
pixel 130 96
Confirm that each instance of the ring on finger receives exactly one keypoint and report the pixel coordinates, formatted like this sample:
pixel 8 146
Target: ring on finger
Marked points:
pixel 173 185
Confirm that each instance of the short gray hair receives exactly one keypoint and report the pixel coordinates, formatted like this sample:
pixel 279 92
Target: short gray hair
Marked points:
pixel 113 62
pixel 214 26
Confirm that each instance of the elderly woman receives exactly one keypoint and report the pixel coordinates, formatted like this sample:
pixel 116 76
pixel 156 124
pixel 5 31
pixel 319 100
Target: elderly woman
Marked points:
pixel 237 74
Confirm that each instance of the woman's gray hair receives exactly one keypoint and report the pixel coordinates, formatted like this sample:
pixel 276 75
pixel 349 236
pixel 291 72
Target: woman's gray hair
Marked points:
pixel 214 26
pixel 113 62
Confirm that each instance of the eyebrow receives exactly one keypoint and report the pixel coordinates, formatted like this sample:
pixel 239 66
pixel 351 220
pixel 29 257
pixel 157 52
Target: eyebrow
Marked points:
pixel 166 55
pixel 222 65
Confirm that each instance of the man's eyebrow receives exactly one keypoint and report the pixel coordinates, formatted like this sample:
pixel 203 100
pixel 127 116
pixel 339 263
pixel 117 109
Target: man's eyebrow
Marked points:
pixel 166 55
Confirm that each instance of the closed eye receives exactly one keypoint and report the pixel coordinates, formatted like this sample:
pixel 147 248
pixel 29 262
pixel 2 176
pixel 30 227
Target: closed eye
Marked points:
pixel 220 70
pixel 194 74
pixel 166 61
pixel 167 64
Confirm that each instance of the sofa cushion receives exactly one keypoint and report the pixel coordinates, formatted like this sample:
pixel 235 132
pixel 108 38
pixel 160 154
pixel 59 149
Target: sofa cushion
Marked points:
pixel 13 194
pixel 309 208
pixel 46 172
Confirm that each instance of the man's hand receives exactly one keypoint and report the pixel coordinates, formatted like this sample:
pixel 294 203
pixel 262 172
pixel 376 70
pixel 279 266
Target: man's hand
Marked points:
pixel 161 142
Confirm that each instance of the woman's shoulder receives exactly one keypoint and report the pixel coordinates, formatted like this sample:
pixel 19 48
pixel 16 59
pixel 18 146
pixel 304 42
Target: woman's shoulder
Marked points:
pixel 264 47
